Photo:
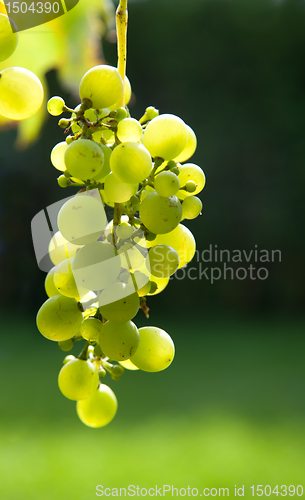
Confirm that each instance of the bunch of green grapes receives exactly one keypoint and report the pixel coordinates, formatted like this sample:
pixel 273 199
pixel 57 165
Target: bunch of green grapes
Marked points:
pixel 104 270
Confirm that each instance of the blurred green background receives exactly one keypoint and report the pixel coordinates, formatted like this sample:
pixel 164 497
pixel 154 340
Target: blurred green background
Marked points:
pixel 230 410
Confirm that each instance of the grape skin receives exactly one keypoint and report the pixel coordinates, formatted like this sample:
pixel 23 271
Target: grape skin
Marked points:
pixel 190 146
pixel 78 379
pixel 21 93
pixel 59 318
pixel 160 215
pixel 130 162
pixel 103 85
pixel 91 328
pixel 119 340
pixel 165 136
pixel 58 156
pixel 167 184
pixel 81 220
pixel 191 207
pixel 50 288
pixel 99 409
pixel 156 350
pixel 118 191
pixel 120 310
pixel 84 159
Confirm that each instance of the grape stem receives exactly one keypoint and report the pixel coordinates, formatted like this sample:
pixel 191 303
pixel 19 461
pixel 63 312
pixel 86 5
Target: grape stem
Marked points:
pixel 121 29
pixel 84 354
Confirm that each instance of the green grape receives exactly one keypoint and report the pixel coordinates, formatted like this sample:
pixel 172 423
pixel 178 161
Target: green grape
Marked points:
pixel 84 159
pixel 69 139
pixel 128 365
pixel 64 280
pixel 129 130
pixel 58 156
pixel 55 105
pixel 118 191
pixel 130 162
pixel 159 214
pixel 191 207
pixel 182 240
pixel 190 147
pixel 165 136
pixel 158 285
pixel 63 181
pixel 21 93
pixel 124 231
pixel 167 184
pixel 82 219
pixel 128 93
pixel 78 379
pixel 91 328
pixel 61 249
pixel 103 85
pixel 191 172
pixel 66 345
pixel 162 261
pixel 119 340
pixel 8 38
pixel 131 256
pixel 106 164
pixel 121 114
pixel 190 186
pixel 64 123
pixel 96 265
pixel 59 318
pixel 156 350
pixel 99 409
pixel 121 310
pixel 50 288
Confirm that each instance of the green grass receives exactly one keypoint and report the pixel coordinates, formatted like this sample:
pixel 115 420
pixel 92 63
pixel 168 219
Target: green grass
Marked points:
pixel 229 411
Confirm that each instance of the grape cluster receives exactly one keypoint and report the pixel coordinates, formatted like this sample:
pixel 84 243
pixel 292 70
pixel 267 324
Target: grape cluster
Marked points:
pixel 104 270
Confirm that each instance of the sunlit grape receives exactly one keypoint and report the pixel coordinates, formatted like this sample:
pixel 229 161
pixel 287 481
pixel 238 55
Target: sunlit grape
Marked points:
pixel 156 350
pixel 165 136
pixel 59 318
pixel 78 379
pixel 190 146
pixel 84 159
pixel 82 219
pixel 99 409
pixel 119 340
pixel 159 214
pixel 103 85
pixel 130 162
pixel 21 93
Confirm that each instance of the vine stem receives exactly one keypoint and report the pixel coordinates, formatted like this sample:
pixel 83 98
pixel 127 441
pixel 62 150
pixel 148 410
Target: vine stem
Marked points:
pixel 121 29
